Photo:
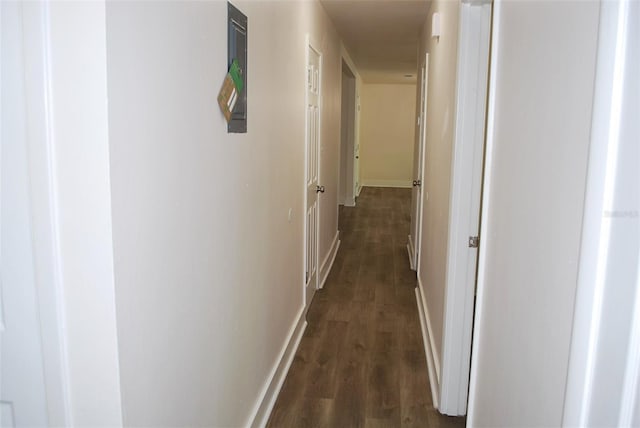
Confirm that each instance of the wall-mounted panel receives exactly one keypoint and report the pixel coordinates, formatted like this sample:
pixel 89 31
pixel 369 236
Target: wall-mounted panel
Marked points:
pixel 237 42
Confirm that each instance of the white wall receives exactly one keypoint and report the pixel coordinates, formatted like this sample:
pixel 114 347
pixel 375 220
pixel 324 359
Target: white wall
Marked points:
pixel 538 139
pixel 209 271
pixel 438 162
pixel 387 129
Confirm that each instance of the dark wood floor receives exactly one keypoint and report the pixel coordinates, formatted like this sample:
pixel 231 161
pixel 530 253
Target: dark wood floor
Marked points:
pixel 361 361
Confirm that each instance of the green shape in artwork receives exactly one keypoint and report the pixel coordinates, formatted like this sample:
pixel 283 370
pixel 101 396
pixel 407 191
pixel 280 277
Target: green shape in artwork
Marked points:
pixel 236 75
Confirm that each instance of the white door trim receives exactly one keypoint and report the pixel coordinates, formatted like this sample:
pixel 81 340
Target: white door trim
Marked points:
pixel 601 346
pixel 347 178
pixel 486 197
pixel 423 155
pixel 355 143
pixel 466 189
pixel 47 257
pixel 79 330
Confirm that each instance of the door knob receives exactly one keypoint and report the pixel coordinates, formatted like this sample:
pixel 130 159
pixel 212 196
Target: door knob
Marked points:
pixel 416 183
pixel 319 189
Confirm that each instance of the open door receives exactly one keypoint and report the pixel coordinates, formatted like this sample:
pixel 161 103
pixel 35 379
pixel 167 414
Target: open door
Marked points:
pixel 418 164
pixel 448 359
pixel 23 400
pixel 464 211
pixel 312 187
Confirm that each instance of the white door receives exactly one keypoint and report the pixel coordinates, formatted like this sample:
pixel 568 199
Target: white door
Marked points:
pixel 417 194
pixel 472 78
pixel 312 187
pixel 356 150
pixel 22 383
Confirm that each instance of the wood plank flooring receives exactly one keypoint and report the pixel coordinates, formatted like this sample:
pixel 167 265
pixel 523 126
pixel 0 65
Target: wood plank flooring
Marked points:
pixel 361 360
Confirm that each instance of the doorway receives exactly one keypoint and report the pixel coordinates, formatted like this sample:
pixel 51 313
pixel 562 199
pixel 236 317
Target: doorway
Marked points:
pixel 349 150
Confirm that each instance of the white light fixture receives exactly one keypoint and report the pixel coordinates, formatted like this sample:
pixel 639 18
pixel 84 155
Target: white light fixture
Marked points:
pixel 435 25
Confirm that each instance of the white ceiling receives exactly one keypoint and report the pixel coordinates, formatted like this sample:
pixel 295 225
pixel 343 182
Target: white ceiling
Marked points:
pixel 381 35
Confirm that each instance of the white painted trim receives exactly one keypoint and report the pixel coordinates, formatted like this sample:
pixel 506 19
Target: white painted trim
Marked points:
pixel 346 56
pixel 266 400
pixel 485 230
pixel 464 209
pixel 329 258
pixel 45 221
pixel 350 203
pixel 433 365
pixel 432 344
pixel 404 184
pixel 605 184
pixel 412 256
pixel 2 324
pixel 352 138
pixel 631 388
pixel 80 147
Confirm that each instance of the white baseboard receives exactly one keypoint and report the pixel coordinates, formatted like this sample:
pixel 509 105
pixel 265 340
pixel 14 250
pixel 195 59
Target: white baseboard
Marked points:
pixel 348 202
pixel 327 263
pixel 433 363
pixel 412 256
pixel 388 183
pixel 267 398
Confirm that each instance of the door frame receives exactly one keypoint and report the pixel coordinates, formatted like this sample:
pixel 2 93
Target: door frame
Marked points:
pixel 311 44
pixel 47 259
pixel 347 176
pixel 600 339
pixel 64 259
pixel 357 81
pixel 465 203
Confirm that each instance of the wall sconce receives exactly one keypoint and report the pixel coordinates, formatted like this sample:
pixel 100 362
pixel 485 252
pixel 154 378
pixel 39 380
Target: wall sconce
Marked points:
pixel 435 25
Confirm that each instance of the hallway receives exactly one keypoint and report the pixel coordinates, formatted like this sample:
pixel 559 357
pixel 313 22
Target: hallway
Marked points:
pixel 361 361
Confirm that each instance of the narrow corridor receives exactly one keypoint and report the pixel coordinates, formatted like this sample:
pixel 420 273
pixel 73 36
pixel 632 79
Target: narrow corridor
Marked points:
pixel 361 360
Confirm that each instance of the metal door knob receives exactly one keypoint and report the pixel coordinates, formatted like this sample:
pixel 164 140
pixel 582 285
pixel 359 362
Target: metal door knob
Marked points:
pixel 416 183
pixel 319 189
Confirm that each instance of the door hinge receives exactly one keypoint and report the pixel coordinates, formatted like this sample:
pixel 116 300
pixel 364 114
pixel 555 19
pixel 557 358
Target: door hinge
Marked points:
pixel 474 241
